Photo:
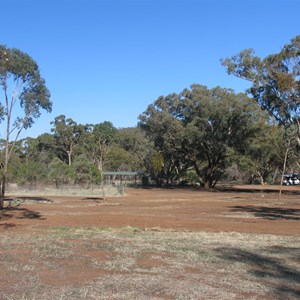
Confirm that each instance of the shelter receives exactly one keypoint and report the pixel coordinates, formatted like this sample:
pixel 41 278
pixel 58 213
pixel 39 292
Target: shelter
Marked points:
pixel 121 177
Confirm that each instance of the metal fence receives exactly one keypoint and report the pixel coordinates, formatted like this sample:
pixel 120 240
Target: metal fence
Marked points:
pixel 76 190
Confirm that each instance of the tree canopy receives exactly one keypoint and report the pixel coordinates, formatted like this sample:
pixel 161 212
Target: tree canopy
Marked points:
pixel 66 134
pixel 201 128
pixel 275 81
pixel 23 86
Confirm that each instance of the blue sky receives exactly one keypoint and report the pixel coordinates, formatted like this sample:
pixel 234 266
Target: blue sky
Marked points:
pixel 108 60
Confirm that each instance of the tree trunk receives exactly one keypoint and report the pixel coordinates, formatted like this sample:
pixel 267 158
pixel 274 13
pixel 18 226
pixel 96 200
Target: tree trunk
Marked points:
pixel 102 189
pixel 198 173
pixel 261 179
pixel 284 167
pixel 7 151
pixel 5 168
pixel 208 178
pixel 3 185
pixel 69 152
pixel 69 158
pixel 100 168
pixel 207 185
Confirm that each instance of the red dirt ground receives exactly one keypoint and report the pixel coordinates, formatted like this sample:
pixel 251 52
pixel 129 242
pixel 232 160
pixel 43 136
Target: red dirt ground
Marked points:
pixel 241 209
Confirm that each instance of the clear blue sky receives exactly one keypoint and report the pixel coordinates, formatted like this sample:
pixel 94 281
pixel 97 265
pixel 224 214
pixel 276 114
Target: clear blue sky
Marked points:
pixel 108 60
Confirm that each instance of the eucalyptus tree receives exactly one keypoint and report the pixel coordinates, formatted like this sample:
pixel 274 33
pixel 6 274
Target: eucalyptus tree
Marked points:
pixel 165 161
pixel 59 172
pixel 46 148
pixel 31 173
pixel 25 149
pixel 24 95
pixel 99 140
pixel 66 135
pixel 144 155
pixel 275 86
pixel 134 141
pixel 219 125
pixel 118 159
pixel 201 128
pixel 83 170
pixel 275 81
pixel 264 156
pixel 30 168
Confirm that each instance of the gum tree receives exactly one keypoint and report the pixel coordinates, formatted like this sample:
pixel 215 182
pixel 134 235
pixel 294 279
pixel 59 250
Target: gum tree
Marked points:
pixel 275 81
pixel 24 94
pixel 66 135
pixel 99 140
pixel 163 124
pixel 275 85
pixel 201 128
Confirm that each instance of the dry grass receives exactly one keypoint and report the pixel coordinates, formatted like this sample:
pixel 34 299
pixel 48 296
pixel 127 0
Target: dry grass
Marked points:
pixel 129 263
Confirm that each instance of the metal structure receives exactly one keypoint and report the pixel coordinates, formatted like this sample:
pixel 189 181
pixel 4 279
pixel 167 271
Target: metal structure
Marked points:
pixel 121 177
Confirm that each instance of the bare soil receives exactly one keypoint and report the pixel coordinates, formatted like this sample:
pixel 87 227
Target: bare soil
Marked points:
pixel 232 243
pixel 252 209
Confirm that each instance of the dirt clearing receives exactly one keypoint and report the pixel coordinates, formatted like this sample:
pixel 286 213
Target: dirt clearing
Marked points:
pixel 153 244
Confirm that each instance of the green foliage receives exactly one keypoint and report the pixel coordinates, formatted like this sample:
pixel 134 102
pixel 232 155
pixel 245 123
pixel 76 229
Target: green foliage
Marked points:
pixel 118 159
pixel 99 141
pixel 59 172
pixel 201 128
pixel 266 153
pixel 275 87
pixel 67 134
pixel 82 167
pixel 138 146
pixel 46 149
pixel 28 85
pixel 31 173
pixel 190 177
pixel 21 85
pixel 275 81
pixel 158 161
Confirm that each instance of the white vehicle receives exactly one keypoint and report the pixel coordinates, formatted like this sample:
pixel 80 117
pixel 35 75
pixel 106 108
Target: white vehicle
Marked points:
pixel 291 179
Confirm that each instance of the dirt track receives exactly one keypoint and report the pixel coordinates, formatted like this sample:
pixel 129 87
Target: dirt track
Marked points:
pixel 240 210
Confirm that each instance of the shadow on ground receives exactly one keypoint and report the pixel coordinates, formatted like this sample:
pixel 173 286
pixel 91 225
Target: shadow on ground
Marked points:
pixel 95 199
pixel 281 278
pixel 270 213
pixel 32 199
pixel 261 189
pixel 9 213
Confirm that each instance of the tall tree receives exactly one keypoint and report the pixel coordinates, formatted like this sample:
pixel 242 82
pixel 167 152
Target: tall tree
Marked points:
pixel 134 141
pixel 275 85
pixel 264 156
pixel 23 86
pixel 275 81
pixel 66 135
pixel 162 122
pixel 219 125
pixel 201 128
pixel 59 172
pixel 83 170
pixel 46 148
pixel 99 141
